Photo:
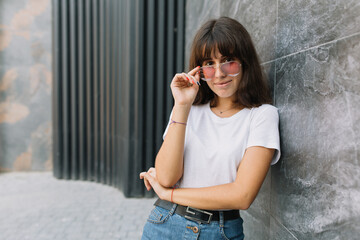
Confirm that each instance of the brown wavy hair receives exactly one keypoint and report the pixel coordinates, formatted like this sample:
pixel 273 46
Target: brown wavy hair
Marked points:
pixel 232 40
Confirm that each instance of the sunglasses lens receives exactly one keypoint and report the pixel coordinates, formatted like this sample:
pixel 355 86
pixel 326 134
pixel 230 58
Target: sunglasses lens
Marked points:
pixel 230 68
pixel 207 73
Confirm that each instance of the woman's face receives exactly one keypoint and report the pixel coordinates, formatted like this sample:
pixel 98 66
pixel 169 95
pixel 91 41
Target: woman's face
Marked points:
pixel 224 86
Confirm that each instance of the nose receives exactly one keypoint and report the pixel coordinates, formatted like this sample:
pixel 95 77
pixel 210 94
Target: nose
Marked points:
pixel 218 72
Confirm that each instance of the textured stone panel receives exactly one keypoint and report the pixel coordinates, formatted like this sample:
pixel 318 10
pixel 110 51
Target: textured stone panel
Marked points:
pixel 259 18
pixel 5 39
pixel 25 85
pixel 269 73
pixel 316 186
pixel 279 232
pixel 41 143
pixel 307 23
pixel 10 11
pixel 197 13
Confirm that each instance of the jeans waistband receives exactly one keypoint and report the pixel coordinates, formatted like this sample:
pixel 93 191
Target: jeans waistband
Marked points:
pixel 199 215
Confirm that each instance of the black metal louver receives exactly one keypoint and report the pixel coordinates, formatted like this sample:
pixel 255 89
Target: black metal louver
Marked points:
pixel 113 61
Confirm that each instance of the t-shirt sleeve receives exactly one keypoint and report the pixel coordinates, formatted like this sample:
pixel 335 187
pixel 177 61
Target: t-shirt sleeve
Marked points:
pixel 264 130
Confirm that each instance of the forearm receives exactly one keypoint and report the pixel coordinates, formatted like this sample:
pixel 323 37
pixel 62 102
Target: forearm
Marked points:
pixel 236 195
pixel 169 160
pixel 226 196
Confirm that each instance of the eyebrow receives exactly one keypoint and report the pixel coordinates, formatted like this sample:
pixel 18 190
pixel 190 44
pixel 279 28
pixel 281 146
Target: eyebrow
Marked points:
pixel 210 59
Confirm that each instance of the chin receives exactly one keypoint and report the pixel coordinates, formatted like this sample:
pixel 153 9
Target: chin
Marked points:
pixel 224 95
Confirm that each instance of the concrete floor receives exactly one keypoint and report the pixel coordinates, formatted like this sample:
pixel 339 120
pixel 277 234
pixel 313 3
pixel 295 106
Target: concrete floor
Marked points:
pixel 38 206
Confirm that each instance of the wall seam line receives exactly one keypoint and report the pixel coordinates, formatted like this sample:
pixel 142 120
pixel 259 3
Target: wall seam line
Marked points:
pixel 276 47
pixel 284 227
pixel 274 102
pixel 311 48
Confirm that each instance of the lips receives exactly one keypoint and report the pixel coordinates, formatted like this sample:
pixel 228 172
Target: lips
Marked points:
pixel 222 84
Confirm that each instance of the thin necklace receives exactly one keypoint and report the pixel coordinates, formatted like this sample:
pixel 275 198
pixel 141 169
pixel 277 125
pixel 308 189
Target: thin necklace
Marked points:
pixel 221 112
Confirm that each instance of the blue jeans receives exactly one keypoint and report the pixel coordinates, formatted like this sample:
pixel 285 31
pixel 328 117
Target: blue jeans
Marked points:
pixel 167 225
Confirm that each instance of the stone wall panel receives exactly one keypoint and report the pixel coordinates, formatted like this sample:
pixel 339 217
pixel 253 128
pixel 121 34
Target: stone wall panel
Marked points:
pixel 310 53
pixel 259 18
pixel 319 170
pixel 197 13
pixel 25 85
pixel 308 23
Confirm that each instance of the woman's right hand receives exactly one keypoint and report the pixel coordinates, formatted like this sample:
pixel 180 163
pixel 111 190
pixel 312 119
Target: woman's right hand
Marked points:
pixel 184 87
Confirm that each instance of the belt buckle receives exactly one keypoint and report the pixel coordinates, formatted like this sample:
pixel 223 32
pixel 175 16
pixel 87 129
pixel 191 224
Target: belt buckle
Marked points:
pixel 193 212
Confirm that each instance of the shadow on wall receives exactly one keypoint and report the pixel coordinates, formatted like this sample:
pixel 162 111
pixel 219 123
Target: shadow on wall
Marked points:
pixel 25 85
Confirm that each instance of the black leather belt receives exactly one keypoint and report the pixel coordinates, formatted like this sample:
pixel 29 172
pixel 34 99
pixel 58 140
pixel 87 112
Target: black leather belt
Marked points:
pixel 198 215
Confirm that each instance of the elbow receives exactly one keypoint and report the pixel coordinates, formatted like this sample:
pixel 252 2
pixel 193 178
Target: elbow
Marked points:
pixel 166 180
pixel 166 177
pixel 244 206
pixel 242 201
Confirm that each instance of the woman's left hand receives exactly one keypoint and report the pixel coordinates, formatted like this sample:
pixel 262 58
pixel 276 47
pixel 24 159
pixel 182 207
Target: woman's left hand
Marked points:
pixel 151 181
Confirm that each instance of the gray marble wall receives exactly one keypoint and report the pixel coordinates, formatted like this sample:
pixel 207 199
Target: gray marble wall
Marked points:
pixel 310 51
pixel 25 85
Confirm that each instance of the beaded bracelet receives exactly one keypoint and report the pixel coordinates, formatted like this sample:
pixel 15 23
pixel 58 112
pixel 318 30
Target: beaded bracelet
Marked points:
pixel 172 121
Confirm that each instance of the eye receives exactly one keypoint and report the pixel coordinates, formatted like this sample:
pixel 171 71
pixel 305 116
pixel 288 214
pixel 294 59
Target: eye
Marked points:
pixel 228 59
pixel 208 63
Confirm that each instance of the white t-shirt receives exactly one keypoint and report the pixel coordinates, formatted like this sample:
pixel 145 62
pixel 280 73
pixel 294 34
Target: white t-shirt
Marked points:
pixel 214 146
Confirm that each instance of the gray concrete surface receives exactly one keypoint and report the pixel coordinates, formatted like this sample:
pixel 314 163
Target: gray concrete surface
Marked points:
pixel 38 206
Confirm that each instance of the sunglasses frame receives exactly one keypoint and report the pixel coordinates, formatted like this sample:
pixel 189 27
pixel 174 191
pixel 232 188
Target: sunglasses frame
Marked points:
pixel 215 66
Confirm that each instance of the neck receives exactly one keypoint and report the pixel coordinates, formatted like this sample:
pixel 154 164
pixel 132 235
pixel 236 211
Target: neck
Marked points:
pixel 224 103
pixel 224 107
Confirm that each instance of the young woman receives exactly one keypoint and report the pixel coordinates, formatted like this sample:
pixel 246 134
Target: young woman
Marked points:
pixel 221 139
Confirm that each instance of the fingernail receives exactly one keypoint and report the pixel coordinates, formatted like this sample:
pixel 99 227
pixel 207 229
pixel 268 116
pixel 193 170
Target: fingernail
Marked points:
pixel 187 78
pixel 198 83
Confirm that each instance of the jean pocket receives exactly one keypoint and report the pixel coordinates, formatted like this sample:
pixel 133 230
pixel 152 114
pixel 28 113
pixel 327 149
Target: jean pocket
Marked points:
pixel 233 229
pixel 158 215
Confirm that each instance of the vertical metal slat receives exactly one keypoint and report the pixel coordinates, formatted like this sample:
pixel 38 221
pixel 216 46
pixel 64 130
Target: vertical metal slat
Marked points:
pixel 65 89
pixel 56 93
pixel 149 83
pixel 160 74
pixel 180 36
pixel 107 91
pixel 73 92
pixel 102 90
pixel 81 90
pixel 96 80
pixel 89 93
pixel 139 88
pixel 114 79
pixel 170 68
pixel 119 179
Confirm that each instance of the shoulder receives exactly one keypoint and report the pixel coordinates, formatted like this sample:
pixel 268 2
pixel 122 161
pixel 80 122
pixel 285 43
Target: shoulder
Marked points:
pixel 197 114
pixel 265 108
pixel 265 111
